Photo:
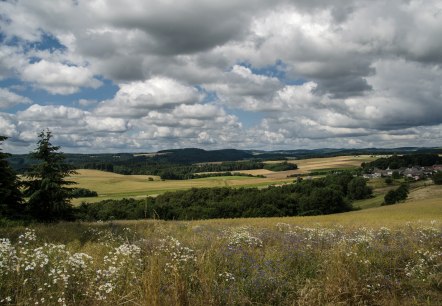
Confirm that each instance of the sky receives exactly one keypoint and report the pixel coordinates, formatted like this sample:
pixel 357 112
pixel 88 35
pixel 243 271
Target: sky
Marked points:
pixel 141 76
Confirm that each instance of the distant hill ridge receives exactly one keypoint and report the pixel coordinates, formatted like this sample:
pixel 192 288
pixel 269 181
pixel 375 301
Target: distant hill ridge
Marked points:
pixel 195 155
pixel 21 162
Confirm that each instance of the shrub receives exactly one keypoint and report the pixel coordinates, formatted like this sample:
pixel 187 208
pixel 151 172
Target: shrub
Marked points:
pixel 357 189
pixel 398 195
pixel 281 166
pixel 388 181
pixel 83 193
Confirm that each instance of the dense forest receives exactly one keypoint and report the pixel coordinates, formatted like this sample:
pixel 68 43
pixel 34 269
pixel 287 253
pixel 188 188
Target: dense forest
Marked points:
pixel 331 194
pixel 399 161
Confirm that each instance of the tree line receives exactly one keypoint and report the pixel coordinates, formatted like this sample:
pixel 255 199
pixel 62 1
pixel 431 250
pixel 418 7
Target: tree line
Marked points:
pixel 331 194
pixel 185 172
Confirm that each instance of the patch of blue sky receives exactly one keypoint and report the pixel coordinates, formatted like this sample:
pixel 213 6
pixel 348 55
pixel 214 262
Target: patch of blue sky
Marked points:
pixel 106 91
pixel 248 119
pixel 209 96
pixel 47 42
pixel 277 70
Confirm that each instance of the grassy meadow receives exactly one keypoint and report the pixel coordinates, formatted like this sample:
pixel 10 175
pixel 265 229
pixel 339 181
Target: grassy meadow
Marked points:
pixel 390 255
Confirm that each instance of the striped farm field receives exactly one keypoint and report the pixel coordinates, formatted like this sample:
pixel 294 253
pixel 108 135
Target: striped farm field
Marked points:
pixel 312 164
pixel 306 166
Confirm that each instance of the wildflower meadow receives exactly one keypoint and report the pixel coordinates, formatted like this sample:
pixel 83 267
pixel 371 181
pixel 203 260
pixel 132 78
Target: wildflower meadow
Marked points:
pixel 189 263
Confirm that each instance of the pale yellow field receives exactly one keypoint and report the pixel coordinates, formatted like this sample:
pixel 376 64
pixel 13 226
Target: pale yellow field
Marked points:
pixel 425 192
pixel 256 172
pixel 306 166
pixel 110 185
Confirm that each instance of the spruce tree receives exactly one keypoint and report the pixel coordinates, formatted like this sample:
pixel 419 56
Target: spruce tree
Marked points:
pixel 11 201
pixel 49 196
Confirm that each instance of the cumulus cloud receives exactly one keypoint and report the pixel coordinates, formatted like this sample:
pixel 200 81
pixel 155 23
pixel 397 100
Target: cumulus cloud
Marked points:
pixel 136 99
pixel 198 111
pixel 241 88
pixel 58 78
pixel 67 122
pixel 8 125
pixel 9 98
pixel 11 59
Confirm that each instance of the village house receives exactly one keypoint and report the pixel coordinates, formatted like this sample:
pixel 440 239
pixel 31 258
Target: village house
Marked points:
pixel 415 173
pixel 437 168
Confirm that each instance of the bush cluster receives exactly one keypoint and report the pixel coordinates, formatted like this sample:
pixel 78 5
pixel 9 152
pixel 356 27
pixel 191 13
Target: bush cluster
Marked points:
pixel 83 193
pixel 396 195
pixel 284 166
pixel 437 178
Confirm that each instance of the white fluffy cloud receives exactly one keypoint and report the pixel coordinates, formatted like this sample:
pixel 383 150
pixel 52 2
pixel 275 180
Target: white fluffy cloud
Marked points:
pixel 58 78
pixel 136 99
pixel 9 98
pixel 241 88
pixel 72 125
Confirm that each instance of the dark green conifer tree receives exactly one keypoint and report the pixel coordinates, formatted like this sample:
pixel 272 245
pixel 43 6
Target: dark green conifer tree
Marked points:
pixel 11 200
pixel 49 196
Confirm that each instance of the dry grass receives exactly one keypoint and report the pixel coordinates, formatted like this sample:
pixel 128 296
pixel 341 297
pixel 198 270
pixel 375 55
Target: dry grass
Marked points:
pixel 392 215
pixel 256 172
pixel 306 166
pixel 425 192
pixel 383 256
